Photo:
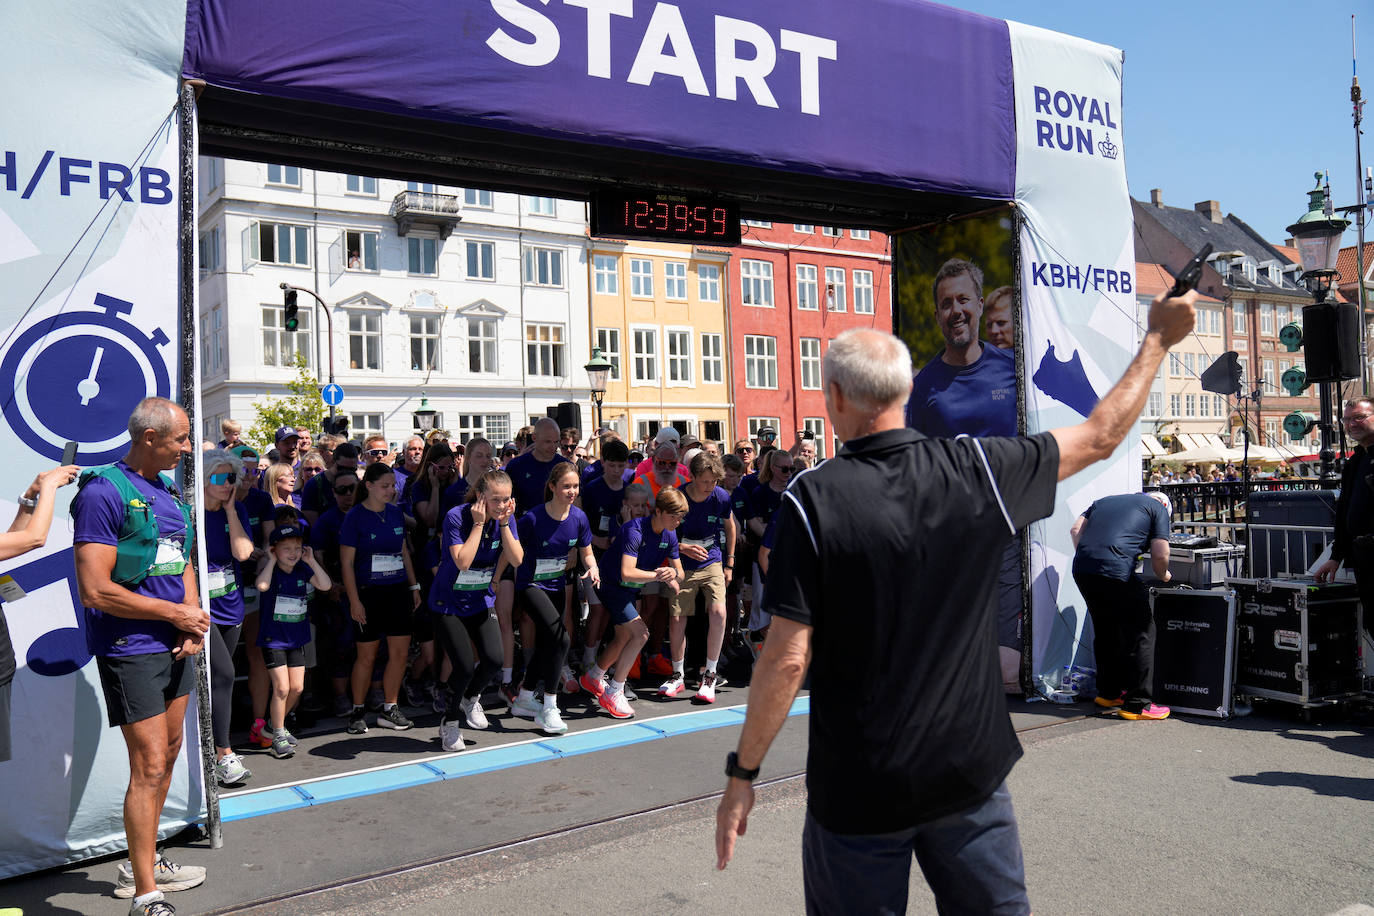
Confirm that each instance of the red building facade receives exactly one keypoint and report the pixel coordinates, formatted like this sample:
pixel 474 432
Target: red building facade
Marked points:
pixel 795 288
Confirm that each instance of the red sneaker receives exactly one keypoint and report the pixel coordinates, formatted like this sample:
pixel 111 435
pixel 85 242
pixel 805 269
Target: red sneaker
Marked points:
pixel 595 686
pixel 615 704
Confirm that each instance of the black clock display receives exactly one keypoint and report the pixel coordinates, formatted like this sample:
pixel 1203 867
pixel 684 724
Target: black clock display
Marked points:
pixel 664 215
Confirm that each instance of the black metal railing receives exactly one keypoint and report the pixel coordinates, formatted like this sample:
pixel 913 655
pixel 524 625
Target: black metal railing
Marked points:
pixel 1218 508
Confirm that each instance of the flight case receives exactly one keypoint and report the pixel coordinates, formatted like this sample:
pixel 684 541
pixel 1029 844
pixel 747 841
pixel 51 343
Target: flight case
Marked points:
pixel 1194 652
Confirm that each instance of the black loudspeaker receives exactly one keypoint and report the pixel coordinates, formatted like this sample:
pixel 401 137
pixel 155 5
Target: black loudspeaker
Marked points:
pixel 1331 342
pixel 1223 376
pixel 567 413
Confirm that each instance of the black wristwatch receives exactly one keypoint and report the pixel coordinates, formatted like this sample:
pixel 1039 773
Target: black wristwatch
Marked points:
pixel 732 768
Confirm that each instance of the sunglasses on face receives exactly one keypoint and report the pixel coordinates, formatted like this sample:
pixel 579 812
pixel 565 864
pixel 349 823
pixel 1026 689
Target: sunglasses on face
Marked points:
pixel 346 488
pixel 376 453
pixel 743 449
pixel 568 448
pixel 311 471
pixel 783 470
pixel 223 478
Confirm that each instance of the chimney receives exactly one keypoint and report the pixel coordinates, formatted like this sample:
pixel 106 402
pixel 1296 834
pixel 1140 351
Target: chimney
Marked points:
pixel 1210 209
pixel 1156 197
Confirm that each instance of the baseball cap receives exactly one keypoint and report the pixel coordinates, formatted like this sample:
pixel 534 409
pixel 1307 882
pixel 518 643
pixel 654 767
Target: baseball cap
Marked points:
pixel 510 448
pixel 287 531
pixel 244 451
pixel 766 432
pixel 667 434
pixel 286 432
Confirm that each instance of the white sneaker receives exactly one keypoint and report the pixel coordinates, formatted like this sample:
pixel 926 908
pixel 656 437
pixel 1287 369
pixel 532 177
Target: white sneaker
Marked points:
pixel 551 721
pixel 629 695
pixel 707 692
pixel 473 712
pixel 451 736
pixel 526 708
pixel 570 683
pixel 673 686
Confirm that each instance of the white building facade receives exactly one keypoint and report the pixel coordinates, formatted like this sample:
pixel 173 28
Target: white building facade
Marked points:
pixel 474 299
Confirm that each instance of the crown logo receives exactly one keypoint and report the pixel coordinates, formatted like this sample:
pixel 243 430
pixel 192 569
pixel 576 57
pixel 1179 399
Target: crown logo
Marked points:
pixel 1107 148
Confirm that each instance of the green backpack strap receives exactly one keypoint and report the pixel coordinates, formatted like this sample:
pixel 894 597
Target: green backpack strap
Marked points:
pixel 139 534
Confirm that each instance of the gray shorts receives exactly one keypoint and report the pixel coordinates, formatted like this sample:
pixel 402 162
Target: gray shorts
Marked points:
pixel 138 687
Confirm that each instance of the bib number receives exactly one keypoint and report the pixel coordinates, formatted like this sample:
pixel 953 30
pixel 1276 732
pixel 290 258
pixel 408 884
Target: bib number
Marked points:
pixel 289 609
pixel 471 580
pixel 168 560
pixel 221 582
pixel 704 543
pixel 387 564
pixel 546 568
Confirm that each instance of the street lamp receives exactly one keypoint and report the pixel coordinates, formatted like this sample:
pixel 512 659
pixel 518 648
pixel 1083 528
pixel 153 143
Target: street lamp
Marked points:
pixel 424 417
pixel 598 370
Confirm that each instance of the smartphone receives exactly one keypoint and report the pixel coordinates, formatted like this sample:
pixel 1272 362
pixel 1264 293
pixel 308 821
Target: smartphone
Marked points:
pixel 68 453
pixel 805 434
pixel 1192 272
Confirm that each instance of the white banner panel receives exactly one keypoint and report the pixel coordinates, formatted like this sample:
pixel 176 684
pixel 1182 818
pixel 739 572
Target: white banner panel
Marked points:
pixel 1078 293
pixel 88 262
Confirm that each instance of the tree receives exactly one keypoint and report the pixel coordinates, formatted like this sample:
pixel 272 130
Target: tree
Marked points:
pixel 302 407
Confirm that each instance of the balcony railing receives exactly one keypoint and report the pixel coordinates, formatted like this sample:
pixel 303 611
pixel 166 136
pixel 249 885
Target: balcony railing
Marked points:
pixel 415 208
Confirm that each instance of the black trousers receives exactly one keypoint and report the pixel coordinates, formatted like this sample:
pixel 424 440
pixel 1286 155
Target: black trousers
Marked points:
pixel 551 640
pixel 470 675
pixel 1124 637
pixel 224 638
pixel 1361 562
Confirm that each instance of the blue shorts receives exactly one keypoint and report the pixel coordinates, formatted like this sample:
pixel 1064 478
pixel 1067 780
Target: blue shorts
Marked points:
pixel 619 603
pixel 971 859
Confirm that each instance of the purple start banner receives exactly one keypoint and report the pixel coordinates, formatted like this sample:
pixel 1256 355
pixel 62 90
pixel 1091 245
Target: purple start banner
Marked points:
pixel 893 92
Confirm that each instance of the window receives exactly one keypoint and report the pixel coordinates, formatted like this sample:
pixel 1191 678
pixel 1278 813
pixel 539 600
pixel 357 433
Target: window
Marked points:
pixel 816 426
pixel 360 250
pixel 679 345
pixel 357 184
pixel 212 340
pixel 364 340
pixel 863 292
pixel 541 206
pixel 1190 405
pixel 472 197
pixel 760 361
pixel 1175 365
pixel 758 223
pixel 481 260
pixel 1282 316
pixel 712 360
pixel 1283 367
pixel 808 295
pixel 606 268
pixel 1238 318
pixel 708 282
pixel 1189 365
pixel 757 423
pixel 544 267
pixel 495 427
pixel 544 349
pixel 211 174
pixel 1175 408
pixel 422 256
pixel 1266 318
pixel 645 342
pixel 675 279
pixel 809 354
pixel 756 280
pixel 713 430
pixel 279 346
pixel 362 425
pixel 1218 405
pixel 1204 405
pixel 1244 364
pixel 803 228
pixel 424 343
pixel 1155 404
pixel 210 244
pixel 834 289
pixel 860 234
pixel 288 176
pixel 1249 269
pixel 608 339
pixel 831 231
pixel 647 429
pixel 421 186
pixel 482 343
pixel 276 243
pixel 1269 386
pixel 641 278
pixel 1271 432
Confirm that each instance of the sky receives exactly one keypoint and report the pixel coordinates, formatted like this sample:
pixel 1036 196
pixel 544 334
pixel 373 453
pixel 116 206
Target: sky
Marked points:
pixel 1238 102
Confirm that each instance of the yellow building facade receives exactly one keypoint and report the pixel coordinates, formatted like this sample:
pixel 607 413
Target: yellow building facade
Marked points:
pixel 659 313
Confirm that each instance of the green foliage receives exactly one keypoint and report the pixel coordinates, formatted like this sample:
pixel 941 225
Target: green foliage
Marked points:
pixel 302 407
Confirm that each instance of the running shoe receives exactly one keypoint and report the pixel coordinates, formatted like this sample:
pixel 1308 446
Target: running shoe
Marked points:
pixel 1149 712
pixel 706 693
pixel 290 738
pixel 394 719
pixel 230 771
pixel 1106 703
pixel 158 906
pixel 357 722
pixel 451 736
pixel 570 684
pixel 673 686
pixel 659 666
pixel 281 748
pixel 255 733
pixel 550 721
pixel 473 712
pixel 594 686
pixel 168 875
pixel 438 699
pixel 342 706
pixel 616 705
pixel 526 708
pixel 630 695
pixel 510 692
pixel 415 694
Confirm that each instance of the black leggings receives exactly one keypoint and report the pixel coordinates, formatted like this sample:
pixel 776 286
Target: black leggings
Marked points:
pixel 456 635
pixel 551 637
pixel 224 638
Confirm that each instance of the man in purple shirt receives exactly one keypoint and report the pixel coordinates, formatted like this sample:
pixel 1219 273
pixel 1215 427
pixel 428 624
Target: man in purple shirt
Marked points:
pixel 530 471
pixel 143 635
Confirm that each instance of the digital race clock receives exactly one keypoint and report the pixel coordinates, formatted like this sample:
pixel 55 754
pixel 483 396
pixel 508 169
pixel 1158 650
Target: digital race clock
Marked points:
pixel 664 215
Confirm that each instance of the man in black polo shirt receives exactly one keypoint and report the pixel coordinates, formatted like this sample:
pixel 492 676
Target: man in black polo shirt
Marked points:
pixel 908 753
pixel 1353 541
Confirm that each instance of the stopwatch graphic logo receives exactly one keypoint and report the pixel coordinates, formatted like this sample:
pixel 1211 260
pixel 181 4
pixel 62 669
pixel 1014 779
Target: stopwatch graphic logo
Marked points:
pixel 78 376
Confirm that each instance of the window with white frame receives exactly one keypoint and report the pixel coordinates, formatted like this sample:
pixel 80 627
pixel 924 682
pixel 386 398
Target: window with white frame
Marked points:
pixel 808 292
pixel 544 267
pixel 482 345
pixel 1244 363
pixel 212 340
pixel 280 346
pixel 1189 365
pixel 606 274
pixel 833 232
pixel 861 235
pixel 708 282
pixel 760 361
pixel 809 355
pixel 803 228
pixel 210 245
pixel 712 358
pixel 1154 404
pixel 286 176
pixel 477 198
pixel 360 249
pixel 644 348
pixel 424 343
pixel 1269 386
pixel 276 243
pixel 423 187
pixel 1190 405
pixel 1175 405
pixel 1271 432
pixel 1218 405
pixel 816 426
pixel 675 279
pixel 361 185
pixel 641 278
pixel 541 206
pixel 1282 316
pixel 863 292
pixel 608 339
pixel 364 340
pixel 834 289
pixel 1266 317
pixel 758 423
pixel 1175 365
pixel 545 350
pixel 756 282
pixel 756 223
pixel 422 256
pixel 494 427
pixel 1238 325
pixel 678 344
pixel 361 426
pixel 481 259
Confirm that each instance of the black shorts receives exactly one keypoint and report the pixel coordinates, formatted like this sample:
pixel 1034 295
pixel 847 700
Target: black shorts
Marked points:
pixel 390 612
pixel 422 629
pixel 138 687
pixel 5 720
pixel 277 658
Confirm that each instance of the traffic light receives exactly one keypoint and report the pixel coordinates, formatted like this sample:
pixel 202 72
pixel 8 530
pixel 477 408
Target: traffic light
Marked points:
pixel 291 320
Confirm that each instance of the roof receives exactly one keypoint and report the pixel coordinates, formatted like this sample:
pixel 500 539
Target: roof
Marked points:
pixel 1152 279
pixel 1289 252
pixel 1347 265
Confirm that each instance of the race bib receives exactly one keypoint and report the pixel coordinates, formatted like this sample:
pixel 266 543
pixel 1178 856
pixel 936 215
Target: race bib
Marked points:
pixel 221 582
pixel 470 580
pixel 549 568
pixel 704 543
pixel 289 609
pixel 168 561
pixel 603 525
pixel 387 564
